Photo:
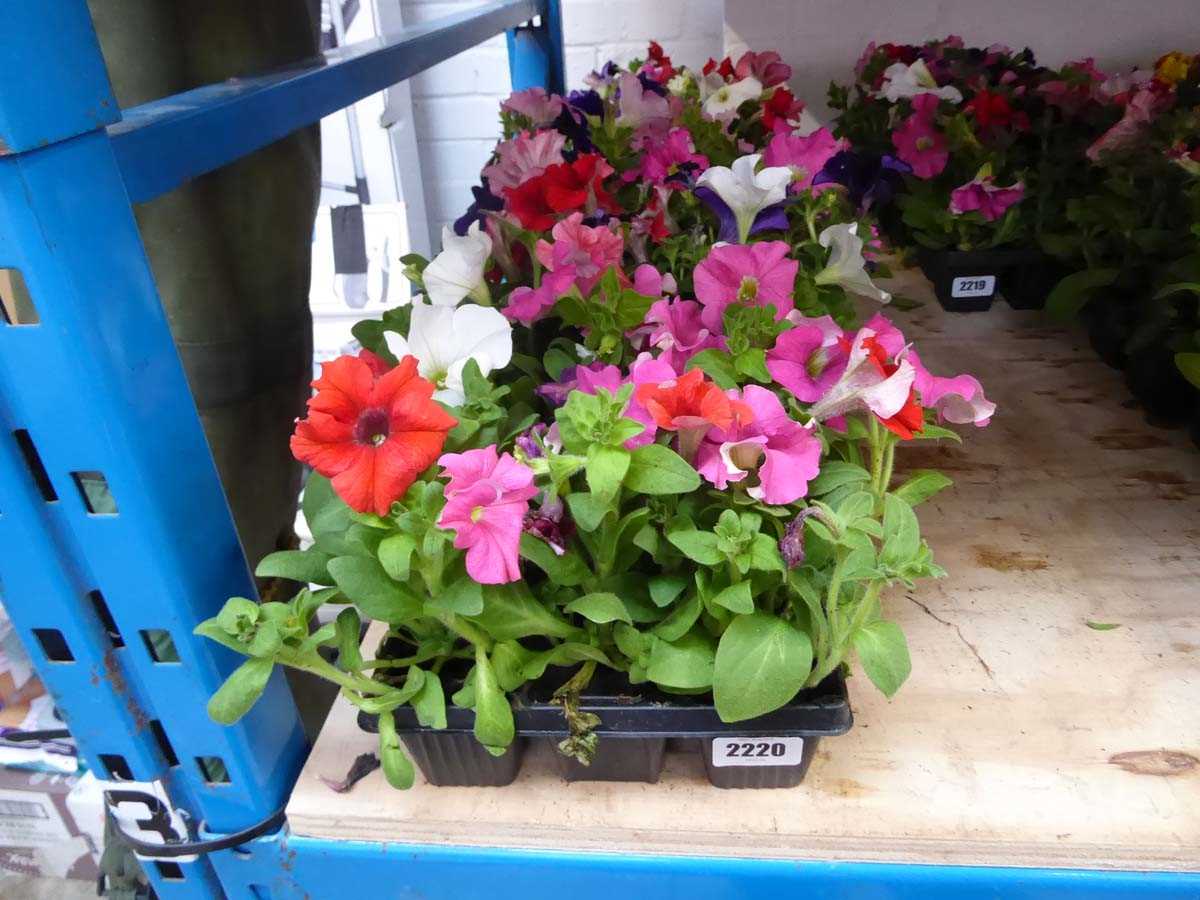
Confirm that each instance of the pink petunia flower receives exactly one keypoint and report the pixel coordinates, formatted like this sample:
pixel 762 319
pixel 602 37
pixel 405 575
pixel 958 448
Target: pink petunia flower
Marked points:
pixel 808 359
pixel 982 195
pixel 671 162
pixel 534 104
pixel 525 156
pixel 1141 109
pixel 647 111
pixel 590 251
pixel 959 399
pixel 805 156
pixel 785 454
pixel 768 67
pixel 758 274
pixel 917 140
pixel 487 498
pixel 889 337
pixel 526 305
pixel 677 331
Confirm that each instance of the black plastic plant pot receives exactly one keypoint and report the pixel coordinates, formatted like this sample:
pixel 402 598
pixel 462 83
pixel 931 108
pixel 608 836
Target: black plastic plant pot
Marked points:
pixel 1029 278
pixel 636 721
pixel 965 280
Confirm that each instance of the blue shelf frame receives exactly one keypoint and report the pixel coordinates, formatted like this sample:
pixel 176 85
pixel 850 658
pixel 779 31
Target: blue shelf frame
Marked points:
pixel 96 386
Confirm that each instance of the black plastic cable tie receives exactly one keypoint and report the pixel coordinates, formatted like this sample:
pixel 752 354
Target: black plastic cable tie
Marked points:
pixel 198 848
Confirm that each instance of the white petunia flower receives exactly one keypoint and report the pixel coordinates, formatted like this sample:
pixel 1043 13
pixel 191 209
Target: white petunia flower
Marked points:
pixel 846 265
pixel 726 99
pixel 443 339
pixel 457 271
pixel 862 386
pixel 901 81
pixel 745 191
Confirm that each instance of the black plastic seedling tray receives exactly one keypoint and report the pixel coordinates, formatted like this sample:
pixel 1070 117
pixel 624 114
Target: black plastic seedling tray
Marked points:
pixel 965 280
pixel 636 721
pixel 1029 278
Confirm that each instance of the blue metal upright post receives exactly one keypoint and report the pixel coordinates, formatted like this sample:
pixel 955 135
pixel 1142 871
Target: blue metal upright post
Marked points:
pixel 535 52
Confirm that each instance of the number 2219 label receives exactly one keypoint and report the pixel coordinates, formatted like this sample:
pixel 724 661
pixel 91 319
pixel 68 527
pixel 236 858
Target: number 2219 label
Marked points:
pixel 757 751
pixel 973 286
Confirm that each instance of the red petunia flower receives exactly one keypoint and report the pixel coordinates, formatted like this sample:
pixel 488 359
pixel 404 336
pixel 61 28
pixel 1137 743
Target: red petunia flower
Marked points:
pixel 564 188
pixel 993 111
pixel 690 406
pixel 782 108
pixel 659 64
pixel 371 433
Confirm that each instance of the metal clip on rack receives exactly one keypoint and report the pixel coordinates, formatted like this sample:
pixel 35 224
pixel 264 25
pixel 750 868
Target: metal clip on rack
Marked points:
pixel 92 393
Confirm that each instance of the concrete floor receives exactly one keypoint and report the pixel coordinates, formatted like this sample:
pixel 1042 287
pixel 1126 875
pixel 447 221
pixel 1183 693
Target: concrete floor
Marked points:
pixel 26 887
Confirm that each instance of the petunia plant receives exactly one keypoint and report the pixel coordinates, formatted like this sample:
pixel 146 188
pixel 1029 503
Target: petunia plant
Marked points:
pixel 628 422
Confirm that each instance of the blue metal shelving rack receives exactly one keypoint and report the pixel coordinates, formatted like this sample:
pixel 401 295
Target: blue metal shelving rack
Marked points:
pixel 93 388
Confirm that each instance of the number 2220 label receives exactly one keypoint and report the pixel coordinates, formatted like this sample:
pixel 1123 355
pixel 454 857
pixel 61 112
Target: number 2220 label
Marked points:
pixel 757 751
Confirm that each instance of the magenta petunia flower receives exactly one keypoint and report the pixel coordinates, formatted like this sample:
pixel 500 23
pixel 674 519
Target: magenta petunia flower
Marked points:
pixel 487 498
pixel 959 399
pixel 535 104
pixel 677 331
pixel 757 274
pixel 525 156
pixel 887 335
pixel 982 195
pixel 526 305
pixel 762 439
pixel 809 358
pixel 918 142
pixel 671 162
pixel 805 156
pixel 590 251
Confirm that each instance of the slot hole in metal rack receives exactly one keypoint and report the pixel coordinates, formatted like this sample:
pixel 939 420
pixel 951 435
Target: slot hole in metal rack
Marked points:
pixel 164 744
pixel 16 305
pixel 169 871
pixel 54 645
pixel 95 493
pixel 106 618
pixel 118 768
pixel 159 645
pixel 213 769
pixel 259 891
pixel 33 460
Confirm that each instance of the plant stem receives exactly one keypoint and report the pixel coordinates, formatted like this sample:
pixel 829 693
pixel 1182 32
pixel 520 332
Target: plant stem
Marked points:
pixel 316 665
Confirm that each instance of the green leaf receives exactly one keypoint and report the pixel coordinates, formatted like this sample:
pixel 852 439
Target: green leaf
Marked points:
pixel 305 566
pixel 368 587
pixel 633 643
pixel 717 365
pixel 923 484
pixel 429 703
pixel 511 612
pixel 397 767
pixel 348 627
pixel 600 607
pixel 241 689
pixel 698 546
pixel 855 506
pixel 1189 365
pixel 681 619
pixel 494 727
pixel 655 469
pixel 211 629
pixel 665 588
pixel 1070 295
pixel 753 364
pixel 762 661
pixel 464 595
pixel 567 570
pixel 883 653
pixel 587 510
pixel 686 663
pixel 836 473
pixel 764 554
pixel 901 532
pixel 395 555
pixel 1102 626
pixel 563 655
pixel 736 598
pixel 605 469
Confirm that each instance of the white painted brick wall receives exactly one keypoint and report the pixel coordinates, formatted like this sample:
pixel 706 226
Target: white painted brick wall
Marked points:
pixel 456 104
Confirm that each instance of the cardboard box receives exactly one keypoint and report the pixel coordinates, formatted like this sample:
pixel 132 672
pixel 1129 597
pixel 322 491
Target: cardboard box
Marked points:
pixel 39 835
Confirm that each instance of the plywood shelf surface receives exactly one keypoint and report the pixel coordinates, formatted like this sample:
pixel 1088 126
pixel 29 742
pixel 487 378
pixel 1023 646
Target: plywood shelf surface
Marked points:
pixel 1023 737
